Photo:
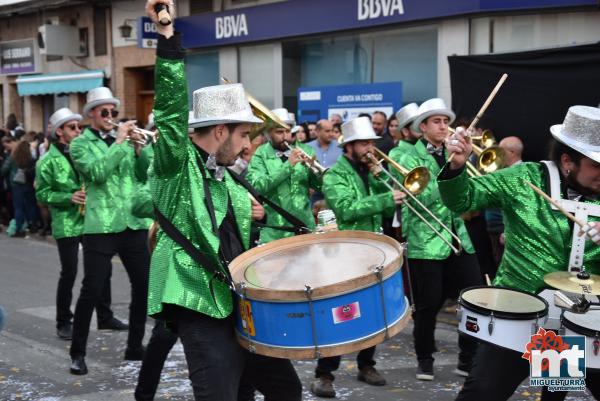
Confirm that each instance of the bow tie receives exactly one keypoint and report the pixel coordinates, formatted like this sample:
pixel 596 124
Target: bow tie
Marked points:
pixel 433 150
pixel 218 172
pixel 110 134
pixel 280 153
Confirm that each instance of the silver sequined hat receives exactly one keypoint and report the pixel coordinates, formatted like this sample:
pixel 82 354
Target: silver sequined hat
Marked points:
pixel 61 116
pixel 358 129
pixel 97 96
pixel 407 114
pixel 221 104
pixel 432 107
pixel 285 116
pixel 580 131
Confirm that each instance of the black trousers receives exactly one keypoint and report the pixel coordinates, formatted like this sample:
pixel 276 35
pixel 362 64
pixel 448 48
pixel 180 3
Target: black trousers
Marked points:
pixel 98 250
pixel 68 252
pixel 218 365
pixel 497 373
pixel 433 282
pixel 158 348
pixel 326 366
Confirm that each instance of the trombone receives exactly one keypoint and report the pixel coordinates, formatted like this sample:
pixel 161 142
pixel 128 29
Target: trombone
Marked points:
pixel 380 169
pixel 415 180
pixel 309 161
pixel 148 135
pixel 490 157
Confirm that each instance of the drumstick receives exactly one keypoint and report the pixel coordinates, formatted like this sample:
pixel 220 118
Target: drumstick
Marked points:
pixel 484 107
pixel 162 11
pixel 253 199
pixel 555 203
pixel 488 282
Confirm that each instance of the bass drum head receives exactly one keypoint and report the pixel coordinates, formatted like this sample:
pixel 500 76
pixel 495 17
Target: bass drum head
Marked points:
pixel 322 261
pixel 587 324
pixel 504 302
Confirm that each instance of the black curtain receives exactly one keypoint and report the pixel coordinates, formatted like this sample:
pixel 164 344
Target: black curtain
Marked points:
pixel 541 86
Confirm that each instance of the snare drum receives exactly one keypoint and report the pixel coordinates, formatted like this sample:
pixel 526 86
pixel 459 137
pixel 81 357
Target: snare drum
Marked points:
pixel 502 316
pixel 588 325
pixel 319 295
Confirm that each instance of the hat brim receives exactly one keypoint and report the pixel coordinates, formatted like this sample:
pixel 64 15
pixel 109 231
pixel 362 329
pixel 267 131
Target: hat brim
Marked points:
pixel 94 103
pixel 59 123
pixel 407 123
pixel 365 138
pixel 439 112
pixel 207 122
pixel 557 133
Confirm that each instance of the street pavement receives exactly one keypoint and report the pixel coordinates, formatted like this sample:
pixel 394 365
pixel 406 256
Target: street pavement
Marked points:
pixel 34 363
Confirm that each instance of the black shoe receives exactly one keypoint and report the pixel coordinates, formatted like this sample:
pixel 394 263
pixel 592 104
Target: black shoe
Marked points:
pixel 78 366
pixel 463 369
pixel 113 324
pixel 135 354
pixel 65 331
pixel 323 387
pixel 425 370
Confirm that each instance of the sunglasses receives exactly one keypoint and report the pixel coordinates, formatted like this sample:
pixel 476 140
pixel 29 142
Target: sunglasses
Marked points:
pixel 105 113
pixel 73 127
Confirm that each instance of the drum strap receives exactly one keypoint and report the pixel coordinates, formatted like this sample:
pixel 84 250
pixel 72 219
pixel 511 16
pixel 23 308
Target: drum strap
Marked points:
pixel 581 210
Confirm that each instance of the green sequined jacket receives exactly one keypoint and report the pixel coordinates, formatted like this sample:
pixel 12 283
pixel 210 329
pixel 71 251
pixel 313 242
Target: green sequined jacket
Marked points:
pixel 356 207
pixel 110 183
pixel 285 185
pixel 423 242
pixel 56 181
pixel 176 184
pixel 538 239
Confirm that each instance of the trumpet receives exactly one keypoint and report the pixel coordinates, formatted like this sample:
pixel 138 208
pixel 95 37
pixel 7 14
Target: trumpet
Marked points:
pixel 308 161
pixel 148 135
pixel 415 180
pixel 401 187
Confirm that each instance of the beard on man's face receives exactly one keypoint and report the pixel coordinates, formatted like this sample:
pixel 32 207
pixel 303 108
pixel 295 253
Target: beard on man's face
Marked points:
pixel 226 155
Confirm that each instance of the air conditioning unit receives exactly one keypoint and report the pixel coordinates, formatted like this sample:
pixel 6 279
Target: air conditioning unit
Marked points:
pixel 59 40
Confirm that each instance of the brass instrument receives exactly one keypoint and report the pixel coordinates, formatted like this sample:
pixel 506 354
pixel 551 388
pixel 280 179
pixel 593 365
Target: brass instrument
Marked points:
pixel 261 111
pixel 82 207
pixel 309 161
pixel 490 158
pixel 413 209
pixel 415 180
pixel 144 132
pixel 486 139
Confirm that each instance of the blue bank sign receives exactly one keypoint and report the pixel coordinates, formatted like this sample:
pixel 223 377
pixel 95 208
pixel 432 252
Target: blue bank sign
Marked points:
pixel 305 17
pixel 348 101
pixel 147 36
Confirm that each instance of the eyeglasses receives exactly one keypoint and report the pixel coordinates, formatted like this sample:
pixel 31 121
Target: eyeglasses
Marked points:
pixel 73 127
pixel 105 113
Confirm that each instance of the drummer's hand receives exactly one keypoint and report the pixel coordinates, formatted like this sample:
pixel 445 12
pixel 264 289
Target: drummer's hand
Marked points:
pixel 398 197
pixel 166 31
pixel 295 157
pixel 592 230
pixel 459 144
pixel 258 211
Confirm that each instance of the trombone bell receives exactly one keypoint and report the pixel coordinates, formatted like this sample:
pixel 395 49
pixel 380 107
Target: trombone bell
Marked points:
pixel 415 180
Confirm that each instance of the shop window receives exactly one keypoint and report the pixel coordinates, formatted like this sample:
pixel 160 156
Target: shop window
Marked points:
pixel 100 31
pixel 257 72
pixel 201 70
pixel 200 6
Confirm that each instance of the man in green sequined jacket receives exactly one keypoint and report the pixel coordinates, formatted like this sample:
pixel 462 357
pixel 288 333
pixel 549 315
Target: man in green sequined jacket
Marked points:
pixel 59 187
pixel 279 174
pixel 539 239
pixel 359 201
pixel 106 163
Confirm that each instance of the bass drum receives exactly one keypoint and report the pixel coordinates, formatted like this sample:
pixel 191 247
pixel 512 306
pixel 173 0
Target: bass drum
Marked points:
pixel 501 316
pixel 320 295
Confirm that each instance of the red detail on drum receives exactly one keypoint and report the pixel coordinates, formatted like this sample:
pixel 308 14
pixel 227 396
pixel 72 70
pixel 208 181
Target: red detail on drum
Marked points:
pixel 471 324
pixel 346 313
pixel 247 319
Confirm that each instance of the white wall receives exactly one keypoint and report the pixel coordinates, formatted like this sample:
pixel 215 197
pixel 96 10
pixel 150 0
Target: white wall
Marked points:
pixel 453 39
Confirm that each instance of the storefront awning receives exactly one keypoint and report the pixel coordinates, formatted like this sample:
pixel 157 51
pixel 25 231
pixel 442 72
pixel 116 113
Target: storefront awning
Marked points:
pixel 47 84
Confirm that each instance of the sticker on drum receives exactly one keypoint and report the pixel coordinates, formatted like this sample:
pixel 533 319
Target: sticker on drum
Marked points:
pixel 588 325
pixel 501 316
pixel 309 295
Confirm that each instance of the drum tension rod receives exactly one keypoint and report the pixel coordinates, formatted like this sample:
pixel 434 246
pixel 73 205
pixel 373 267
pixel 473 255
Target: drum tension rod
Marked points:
pixel 491 324
pixel 243 312
pixel 379 274
pixel 535 326
pixel 308 293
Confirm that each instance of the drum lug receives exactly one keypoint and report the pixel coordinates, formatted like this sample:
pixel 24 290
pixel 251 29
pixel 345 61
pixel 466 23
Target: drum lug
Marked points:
pixel 378 270
pixel 561 330
pixel 596 345
pixel 491 324
pixel 535 326
pixel 308 293
pixel 459 312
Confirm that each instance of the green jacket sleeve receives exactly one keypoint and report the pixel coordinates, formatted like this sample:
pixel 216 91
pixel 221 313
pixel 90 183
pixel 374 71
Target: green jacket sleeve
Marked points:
pixel 170 107
pixel 345 206
pixel 44 191
pixel 265 181
pixel 96 169
pixel 142 163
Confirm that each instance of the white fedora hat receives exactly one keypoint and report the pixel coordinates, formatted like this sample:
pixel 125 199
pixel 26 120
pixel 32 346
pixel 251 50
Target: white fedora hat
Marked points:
pixel 407 114
pixel 358 129
pixel 97 96
pixel 432 107
pixel 284 116
pixel 221 104
pixel 61 116
pixel 580 131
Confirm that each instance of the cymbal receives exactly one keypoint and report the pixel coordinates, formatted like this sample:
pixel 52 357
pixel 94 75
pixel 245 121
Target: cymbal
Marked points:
pixel 578 283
